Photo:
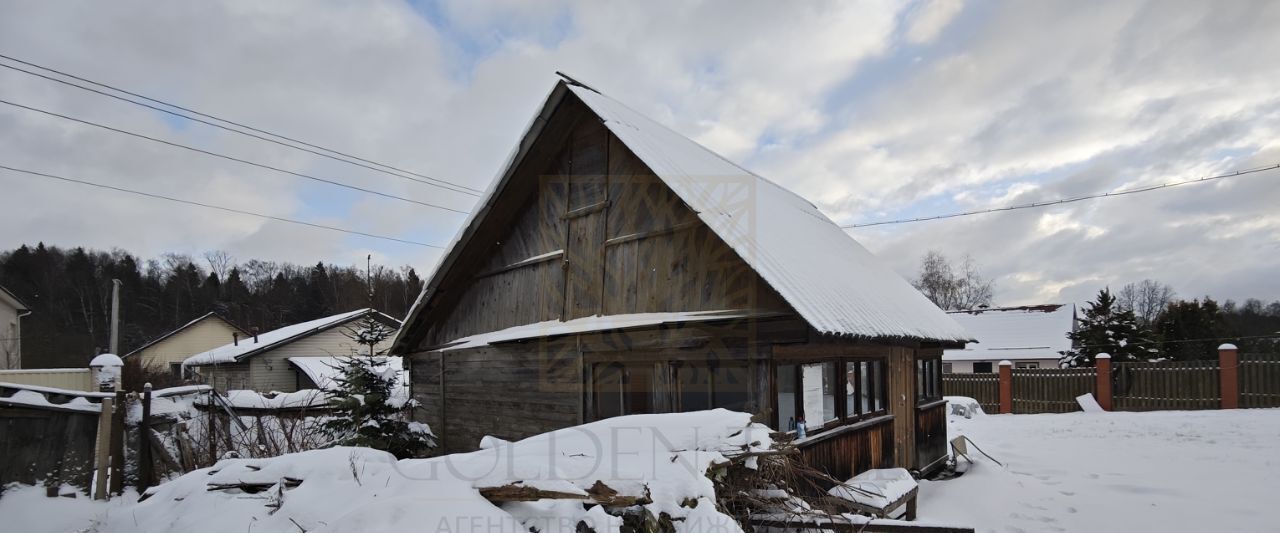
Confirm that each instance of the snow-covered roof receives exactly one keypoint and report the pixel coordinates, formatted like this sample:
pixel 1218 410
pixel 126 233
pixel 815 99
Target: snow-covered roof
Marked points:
pixel 233 352
pixel 182 328
pixel 835 284
pixel 1031 332
pixel 323 370
pixel 552 328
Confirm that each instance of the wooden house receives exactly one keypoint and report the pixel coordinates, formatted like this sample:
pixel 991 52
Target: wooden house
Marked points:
pixel 268 361
pixel 168 351
pixel 618 267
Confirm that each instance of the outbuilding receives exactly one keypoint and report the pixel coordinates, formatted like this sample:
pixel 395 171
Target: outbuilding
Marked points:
pixel 617 267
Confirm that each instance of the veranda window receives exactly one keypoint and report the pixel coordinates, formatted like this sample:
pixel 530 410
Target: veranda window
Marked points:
pixel 929 379
pixel 829 393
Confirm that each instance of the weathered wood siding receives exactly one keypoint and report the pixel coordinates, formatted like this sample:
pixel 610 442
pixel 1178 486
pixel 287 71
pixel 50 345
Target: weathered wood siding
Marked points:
pixel 931 435
pixel 902 404
pixel 45 445
pixel 847 452
pixel 585 228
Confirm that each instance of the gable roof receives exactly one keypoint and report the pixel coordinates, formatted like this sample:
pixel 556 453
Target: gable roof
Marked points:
pixel 180 329
pixel 234 353
pixel 834 283
pixel 12 299
pixel 1028 332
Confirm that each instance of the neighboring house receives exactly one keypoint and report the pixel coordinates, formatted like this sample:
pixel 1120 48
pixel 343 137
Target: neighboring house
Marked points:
pixel 1029 336
pixel 261 362
pixel 322 373
pixel 11 312
pixel 168 351
pixel 617 267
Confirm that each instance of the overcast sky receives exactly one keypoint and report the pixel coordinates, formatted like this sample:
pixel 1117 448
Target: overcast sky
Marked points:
pixel 872 110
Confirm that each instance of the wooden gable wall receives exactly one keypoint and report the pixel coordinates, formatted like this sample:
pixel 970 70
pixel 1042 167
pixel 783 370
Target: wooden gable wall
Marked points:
pixel 585 228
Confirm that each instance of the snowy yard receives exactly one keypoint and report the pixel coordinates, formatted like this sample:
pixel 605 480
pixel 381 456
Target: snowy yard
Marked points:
pixel 1159 471
pixel 1156 471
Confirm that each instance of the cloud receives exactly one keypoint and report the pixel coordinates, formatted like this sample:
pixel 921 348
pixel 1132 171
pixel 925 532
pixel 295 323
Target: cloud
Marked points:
pixel 872 110
pixel 929 18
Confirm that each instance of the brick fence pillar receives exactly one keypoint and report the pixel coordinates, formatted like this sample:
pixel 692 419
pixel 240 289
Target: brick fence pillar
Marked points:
pixel 1006 387
pixel 1229 374
pixel 1102 387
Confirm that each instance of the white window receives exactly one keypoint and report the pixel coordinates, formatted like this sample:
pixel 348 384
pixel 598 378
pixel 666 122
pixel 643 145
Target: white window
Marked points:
pixel 1029 364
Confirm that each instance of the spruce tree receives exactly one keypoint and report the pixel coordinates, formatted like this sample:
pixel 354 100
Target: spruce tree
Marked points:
pixel 1106 328
pixel 365 410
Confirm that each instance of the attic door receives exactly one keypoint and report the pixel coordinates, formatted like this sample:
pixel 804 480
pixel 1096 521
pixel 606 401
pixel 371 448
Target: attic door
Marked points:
pixel 586 210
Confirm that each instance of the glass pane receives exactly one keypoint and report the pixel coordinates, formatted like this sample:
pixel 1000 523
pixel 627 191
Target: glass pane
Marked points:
pixel 879 397
pixel 868 386
pixel 638 390
pixel 785 381
pixel 730 386
pixel 608 390
pixel 694 384
pixel 851 389
pixel 818 386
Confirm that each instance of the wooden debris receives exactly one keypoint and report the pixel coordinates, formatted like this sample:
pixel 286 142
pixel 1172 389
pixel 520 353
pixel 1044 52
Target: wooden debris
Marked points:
pixel 254 487
pixel 521 493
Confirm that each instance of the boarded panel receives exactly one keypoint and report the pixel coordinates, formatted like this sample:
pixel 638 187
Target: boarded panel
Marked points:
pixel 1051 390
pixel 985 388
pixel 1166 385
pixel 584 255
pixel 1259 380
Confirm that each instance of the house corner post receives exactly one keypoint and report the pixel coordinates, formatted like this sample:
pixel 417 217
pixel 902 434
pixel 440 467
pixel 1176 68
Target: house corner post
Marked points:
pixel 1229 375
pixel 1006 387
pixel 1102 387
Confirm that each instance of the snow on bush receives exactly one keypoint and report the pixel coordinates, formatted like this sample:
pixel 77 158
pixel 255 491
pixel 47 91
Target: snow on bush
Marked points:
pixel 664 459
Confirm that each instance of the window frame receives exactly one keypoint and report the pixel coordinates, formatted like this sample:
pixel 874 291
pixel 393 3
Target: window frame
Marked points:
pixel 928 379
pixel 879 384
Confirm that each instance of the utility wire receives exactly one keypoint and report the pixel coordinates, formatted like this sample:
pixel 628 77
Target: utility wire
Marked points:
pixel 404 174
pixel 1066 200
pixel 212 206
pixel 229 158
pixel 1179 341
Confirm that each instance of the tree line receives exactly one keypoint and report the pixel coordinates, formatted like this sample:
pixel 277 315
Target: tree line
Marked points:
pixel 69 293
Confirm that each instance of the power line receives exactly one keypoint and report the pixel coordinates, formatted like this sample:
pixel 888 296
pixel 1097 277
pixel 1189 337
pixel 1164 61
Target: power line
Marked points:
pixel 218 207
pixel 357 161
pixel 229 158
pixel 1066 200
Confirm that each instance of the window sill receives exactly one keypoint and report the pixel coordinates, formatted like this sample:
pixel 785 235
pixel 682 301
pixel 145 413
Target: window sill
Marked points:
pixel 841 430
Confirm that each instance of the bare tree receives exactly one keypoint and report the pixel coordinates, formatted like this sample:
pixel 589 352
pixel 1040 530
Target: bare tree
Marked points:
pixel 953 287
pixel 1147 299
pixel 220 262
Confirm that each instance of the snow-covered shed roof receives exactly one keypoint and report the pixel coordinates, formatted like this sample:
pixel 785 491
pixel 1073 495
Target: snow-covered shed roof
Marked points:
pixel 234 352
pixel 184 327
pixel 1028 332
pixel 835 284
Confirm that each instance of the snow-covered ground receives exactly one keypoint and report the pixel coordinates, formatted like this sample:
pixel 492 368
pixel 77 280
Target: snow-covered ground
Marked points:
pixel 1097 472
pixel 1158 471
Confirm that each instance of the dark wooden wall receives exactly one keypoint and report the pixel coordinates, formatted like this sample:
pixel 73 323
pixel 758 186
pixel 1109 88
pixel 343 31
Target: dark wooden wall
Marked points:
pixel 46 445
pixel 848 452
pixel 585 228
pixel 931 435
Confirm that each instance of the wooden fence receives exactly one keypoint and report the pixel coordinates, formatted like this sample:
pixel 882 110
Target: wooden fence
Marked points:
pixel 985 388
pixel 1167 385
pixel 1259 380
pixel 1050 390
pixel 77 379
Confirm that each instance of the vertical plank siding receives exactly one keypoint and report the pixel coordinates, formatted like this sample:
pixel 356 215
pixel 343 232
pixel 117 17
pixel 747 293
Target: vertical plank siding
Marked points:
pixel 985 388
pixel 931 435
pixel 42 445
pixel 1259 380
pixel 1166 385
pixel 852 451
pixel 1050 390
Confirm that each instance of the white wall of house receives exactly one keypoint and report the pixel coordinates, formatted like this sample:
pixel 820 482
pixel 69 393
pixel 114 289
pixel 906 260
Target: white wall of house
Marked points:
pixel 207 334
pixel 967 367
pixel 10 334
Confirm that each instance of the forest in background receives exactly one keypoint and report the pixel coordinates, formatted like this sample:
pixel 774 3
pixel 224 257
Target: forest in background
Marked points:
pixel 69 293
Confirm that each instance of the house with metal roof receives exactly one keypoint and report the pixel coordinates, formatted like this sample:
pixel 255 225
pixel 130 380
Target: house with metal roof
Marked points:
pixel 617 267
pixel 1031 336
pixel 168 351
pixel 261 362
